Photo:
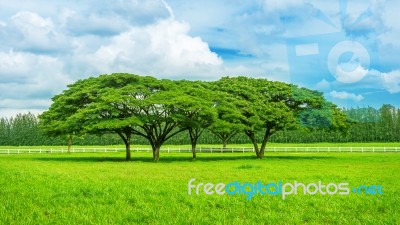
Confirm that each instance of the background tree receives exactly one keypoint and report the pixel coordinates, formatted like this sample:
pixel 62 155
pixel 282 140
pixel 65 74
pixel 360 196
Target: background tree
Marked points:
pixel 229 120
pixel 196 109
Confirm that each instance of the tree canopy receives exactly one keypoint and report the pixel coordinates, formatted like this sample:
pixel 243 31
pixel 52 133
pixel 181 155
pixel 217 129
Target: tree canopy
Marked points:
pixel 157 109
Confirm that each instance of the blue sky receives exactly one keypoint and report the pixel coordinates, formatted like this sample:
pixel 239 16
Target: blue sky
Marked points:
pixel 349 50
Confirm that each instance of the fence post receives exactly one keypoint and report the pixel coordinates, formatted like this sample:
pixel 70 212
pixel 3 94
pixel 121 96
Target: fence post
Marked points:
pixel 18 151
pixel 8 151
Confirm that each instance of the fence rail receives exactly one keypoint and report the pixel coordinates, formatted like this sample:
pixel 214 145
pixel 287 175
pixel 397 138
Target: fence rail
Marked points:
pixel 202 149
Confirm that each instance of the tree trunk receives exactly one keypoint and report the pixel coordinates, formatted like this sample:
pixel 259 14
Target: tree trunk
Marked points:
pixel 194 150
pixel 69 143
pixel 264 143
pixel 252 137
pixel 194 134
pixel 156 153
pixel 128 150
pixel 224 142
pixel 127 141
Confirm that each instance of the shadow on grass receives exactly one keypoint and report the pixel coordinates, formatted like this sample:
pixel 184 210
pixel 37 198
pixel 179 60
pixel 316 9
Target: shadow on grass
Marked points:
pixel 171 159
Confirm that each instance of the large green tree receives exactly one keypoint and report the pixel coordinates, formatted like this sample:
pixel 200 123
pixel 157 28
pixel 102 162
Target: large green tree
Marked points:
pixel 267 106
pixel 196 109
pixel 229 119
pixel 122 103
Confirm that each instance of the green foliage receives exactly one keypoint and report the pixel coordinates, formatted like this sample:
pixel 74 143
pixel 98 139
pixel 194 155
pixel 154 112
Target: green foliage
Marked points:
pixel 267 107
pixel 146 110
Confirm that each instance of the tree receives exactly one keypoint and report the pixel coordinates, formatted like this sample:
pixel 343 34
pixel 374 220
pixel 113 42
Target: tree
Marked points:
pixel 59 120
pixel 229 120
pixel 127 105
pixel 387 123
pixel 268 106
pixel 5 129
pixel 196 109
pixel 328 117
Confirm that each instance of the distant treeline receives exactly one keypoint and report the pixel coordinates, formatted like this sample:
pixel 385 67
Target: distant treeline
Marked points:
pixel 365 125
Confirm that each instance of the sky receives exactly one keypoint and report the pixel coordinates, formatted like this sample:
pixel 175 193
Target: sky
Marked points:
pixel 349 50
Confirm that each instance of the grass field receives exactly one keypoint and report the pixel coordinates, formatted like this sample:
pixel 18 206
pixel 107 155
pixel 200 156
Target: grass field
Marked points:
pixel 90 188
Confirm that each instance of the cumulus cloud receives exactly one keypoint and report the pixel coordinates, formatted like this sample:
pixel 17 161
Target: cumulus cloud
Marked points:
pixel 346 95
pixel 323 85
pixel 355 74
pixel 391 81
pixel 28 81
pixel 44 48
pixel 164 48
pixel 28 31
pixel 40 54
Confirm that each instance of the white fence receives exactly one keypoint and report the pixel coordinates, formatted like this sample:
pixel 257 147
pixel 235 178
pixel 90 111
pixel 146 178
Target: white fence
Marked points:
pixel 203 149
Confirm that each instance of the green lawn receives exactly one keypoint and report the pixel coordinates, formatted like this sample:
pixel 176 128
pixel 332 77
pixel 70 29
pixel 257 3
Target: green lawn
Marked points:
pixel 101 188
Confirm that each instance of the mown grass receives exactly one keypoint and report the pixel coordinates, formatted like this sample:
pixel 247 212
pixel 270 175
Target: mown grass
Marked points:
pixel 90 188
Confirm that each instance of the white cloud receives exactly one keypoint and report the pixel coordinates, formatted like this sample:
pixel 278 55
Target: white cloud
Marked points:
pixel 23 103
pixel 357 73
pixel 12 112
pixel 26 75
pixel 273 5
pixel 345 95
pixel 29 31
pixel 50 44
pixel 28 81
pixel 94 24
pixel 391 81
pixel 164 48
pixel 323 85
